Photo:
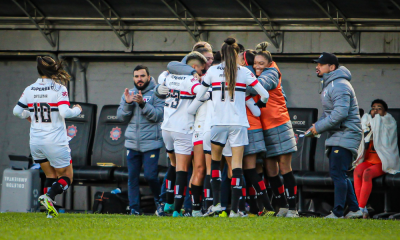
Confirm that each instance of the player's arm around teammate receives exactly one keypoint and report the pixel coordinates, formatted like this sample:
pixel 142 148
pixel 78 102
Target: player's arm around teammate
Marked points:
pixel 256 146
pixel 48 104
pixel 278 134
pixel 229 121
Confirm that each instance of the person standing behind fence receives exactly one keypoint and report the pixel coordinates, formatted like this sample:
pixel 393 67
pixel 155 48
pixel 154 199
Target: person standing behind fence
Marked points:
pixel 143 136
pixel 341 119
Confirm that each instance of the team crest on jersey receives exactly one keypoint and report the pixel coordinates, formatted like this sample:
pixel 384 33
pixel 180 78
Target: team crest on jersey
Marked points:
pixel 115 133
pixel 252 74
pixel 194 80
pixel 146 98
pixel 71 131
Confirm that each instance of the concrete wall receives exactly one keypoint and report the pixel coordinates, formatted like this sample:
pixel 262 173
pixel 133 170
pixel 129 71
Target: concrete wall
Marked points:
pixel 106 81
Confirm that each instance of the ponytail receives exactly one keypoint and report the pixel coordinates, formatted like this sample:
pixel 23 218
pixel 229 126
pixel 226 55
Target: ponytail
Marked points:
pixel 52 69
pixel 261 49
pixel 229 52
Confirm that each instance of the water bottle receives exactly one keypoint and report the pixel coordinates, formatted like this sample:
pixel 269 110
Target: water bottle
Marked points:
pixel 116 191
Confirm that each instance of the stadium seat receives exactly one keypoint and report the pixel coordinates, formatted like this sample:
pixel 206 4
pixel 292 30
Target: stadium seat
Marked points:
pixel 108 148
pixel 302 119
pixel 391 181
pixel 81 130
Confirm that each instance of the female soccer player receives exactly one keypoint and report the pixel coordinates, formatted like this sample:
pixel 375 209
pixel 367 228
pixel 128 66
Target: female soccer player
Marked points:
pixel 278 133
pixel 229 121
pixel 177 127
pixel 256 146
pixel 45 104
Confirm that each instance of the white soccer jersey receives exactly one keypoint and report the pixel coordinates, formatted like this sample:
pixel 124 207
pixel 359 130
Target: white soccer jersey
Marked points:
pixel 43 99
pixel 227 110
pixel 181 95
pixel 200 118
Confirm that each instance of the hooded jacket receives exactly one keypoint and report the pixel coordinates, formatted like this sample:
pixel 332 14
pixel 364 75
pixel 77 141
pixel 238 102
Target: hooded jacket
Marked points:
pixel 144 130
pixel 341 116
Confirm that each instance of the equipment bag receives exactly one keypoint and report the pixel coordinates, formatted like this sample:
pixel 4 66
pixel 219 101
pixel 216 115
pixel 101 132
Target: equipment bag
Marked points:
pixel 106 202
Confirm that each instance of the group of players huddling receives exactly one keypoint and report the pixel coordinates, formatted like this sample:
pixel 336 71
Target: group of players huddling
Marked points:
pixel 229 105
pixel 218 107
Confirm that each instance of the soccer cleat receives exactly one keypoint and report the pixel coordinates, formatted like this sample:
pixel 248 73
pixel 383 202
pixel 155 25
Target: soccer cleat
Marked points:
pixel 292 214
pixel 243 214
pixel 186 213
pixel 351 214
pixel 196 213
pixel 266 213
pixel 332 216
pixel 217 208
pixel 134 212
pixel 49 216
pixel 282 212
pixel 169 208
pixel 223 214
pixel 176 214
pixel 365 213
pixel 48 203
pixel 233 214
pixel 160 210
pixel 213 210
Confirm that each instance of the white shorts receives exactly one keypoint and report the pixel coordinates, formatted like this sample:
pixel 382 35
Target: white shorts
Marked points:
pixel 198 137
pixel 59 156
pixel 178 142
pixel 236 136
pixel 227 151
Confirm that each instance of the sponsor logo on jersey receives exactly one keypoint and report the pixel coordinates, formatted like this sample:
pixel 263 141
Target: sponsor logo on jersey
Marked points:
pixel 40 96
pixel 251 74
pixel 111 117
pixel 178 77
pixel 146 98
pixel 65 94
pixel 40 88
pixel 115 133
pixel 194 80
pixel 71 131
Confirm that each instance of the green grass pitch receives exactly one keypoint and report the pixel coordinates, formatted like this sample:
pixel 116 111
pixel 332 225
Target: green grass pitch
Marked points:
pixel 91 226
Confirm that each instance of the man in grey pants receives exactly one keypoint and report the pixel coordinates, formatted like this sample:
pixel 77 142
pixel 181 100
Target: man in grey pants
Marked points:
pixel 143 136
pixel 341 119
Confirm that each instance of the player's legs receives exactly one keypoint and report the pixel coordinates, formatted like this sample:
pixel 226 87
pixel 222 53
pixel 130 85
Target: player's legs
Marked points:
pixel 183 152
pixel 237 138
pixel 59 157
pixel 51 175
pixel 171 172
pixel 254 180
pixel 199 170
pixel 272 169
pixel 208 197
pixel 285 167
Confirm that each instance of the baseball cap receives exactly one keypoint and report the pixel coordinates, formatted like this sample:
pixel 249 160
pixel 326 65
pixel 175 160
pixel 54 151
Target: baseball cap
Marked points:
pixel 327 58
